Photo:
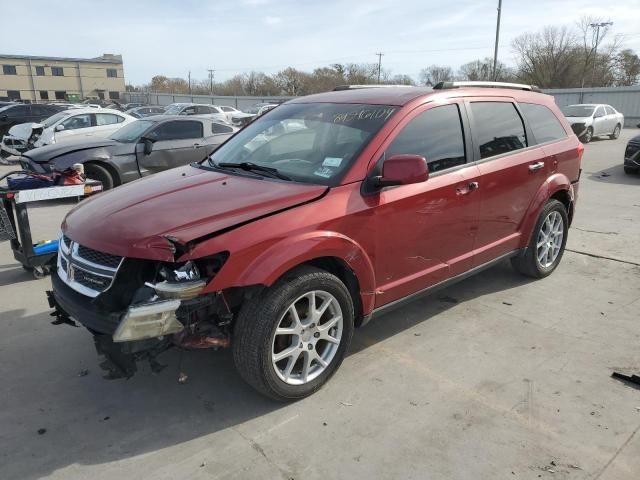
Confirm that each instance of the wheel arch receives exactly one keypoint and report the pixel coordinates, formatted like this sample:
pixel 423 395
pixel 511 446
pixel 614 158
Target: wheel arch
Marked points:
pixel 557 187
pixel 115 174
pixel 329 251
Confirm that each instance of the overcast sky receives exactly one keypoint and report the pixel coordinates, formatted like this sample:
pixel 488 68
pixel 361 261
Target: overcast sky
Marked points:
pixel 236 36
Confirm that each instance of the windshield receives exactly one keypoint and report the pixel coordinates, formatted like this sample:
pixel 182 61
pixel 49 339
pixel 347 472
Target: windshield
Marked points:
pixel 311 143
pixel 132 131
pixel 578 110
pixel 6 107
pixel 174 109
pixel 55 118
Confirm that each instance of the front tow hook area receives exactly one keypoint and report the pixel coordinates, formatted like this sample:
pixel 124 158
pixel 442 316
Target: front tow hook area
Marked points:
pixel 120 359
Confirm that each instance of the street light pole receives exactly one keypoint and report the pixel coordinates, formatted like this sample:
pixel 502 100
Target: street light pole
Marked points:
pixel 595 54
pixel 211 72
pixel 495 51
pixel 379 64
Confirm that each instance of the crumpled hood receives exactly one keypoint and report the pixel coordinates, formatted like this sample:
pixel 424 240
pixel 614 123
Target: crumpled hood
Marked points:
pixel 23 130
pixel 184 204
pixel 49 152
pixel 573 120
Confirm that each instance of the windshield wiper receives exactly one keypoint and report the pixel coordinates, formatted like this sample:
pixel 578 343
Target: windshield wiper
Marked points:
pixel 249 166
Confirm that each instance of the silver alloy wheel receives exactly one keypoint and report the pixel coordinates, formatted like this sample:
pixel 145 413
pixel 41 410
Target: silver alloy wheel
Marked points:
pixel 616 131
pixel 307 337
pixel 550 238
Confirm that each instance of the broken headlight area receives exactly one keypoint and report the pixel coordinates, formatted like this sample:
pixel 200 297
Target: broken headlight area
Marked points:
pixel 151 307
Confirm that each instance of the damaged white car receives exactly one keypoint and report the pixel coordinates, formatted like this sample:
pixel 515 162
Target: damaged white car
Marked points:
pixel 62 126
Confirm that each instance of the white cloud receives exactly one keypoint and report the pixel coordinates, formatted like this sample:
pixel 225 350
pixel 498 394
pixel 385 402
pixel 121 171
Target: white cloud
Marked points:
pixel 270 20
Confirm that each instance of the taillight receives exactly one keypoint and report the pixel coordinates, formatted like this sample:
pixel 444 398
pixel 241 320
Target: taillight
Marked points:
pixel 580 150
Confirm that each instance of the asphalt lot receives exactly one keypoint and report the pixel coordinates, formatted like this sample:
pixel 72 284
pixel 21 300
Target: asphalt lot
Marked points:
pixel 496 377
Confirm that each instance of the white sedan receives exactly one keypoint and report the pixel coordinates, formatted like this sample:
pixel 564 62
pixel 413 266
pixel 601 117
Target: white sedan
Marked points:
pixel 590 120
pixel 68 124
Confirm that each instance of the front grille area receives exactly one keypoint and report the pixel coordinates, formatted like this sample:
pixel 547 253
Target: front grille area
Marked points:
pixel 99 258
pixel 87 271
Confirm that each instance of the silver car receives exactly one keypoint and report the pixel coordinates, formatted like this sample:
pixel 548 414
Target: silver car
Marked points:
pixel 590 120
pixel 142 147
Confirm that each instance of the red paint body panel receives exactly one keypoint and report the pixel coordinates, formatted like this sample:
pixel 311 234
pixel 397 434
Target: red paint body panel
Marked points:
pixel 397 241
pixel 185 203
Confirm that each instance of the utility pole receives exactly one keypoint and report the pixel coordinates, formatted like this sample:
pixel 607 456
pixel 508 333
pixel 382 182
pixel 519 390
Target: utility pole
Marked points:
pixel 190 82
pixel 595 54
pixel 211 72
pixel 380 55
pixel 495 51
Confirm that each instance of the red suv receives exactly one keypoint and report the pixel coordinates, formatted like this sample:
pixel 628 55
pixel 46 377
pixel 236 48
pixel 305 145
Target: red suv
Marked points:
pixel 321 214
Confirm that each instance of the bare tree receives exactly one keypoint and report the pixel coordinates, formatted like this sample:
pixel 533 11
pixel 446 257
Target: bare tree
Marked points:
pixel 434 74
pixel 548 58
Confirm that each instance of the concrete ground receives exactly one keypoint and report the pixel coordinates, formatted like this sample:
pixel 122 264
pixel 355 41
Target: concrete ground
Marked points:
pixel 496 377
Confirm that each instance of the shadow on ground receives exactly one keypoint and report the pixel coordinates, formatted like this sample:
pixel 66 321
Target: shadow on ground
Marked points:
pixel 89 420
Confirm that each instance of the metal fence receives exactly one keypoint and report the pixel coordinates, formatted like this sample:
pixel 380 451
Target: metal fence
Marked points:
pixel 240 103
pixel 623 99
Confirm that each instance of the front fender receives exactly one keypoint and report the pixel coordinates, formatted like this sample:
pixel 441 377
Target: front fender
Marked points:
pixel 556 183
pixel 268 266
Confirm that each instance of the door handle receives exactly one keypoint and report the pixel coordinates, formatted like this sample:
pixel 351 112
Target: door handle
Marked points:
pixel 196 145
pixel 534 167
pixel 467 189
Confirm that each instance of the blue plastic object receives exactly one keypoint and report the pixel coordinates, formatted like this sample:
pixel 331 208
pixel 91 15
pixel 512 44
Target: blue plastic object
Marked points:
pixel 45 248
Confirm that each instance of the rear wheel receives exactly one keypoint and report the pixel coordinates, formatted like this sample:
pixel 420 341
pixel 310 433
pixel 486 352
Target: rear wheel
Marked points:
pixel 630 170
pixel 291 339
pixel 616 132
pixel 587 136
pixel 547 242
pixel 99 173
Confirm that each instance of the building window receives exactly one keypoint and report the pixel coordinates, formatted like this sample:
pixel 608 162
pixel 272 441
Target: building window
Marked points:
pixel 114 95
pixel 13 94
pixel 9 70
pixel 61 95
pixel 57 71
pixel 44 95
pixel 112 73
pixel 101 95
pixel 40 70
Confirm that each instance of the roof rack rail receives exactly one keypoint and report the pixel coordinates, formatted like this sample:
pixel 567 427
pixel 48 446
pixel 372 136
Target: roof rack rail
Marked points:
pixel 515 86
pixel 357 87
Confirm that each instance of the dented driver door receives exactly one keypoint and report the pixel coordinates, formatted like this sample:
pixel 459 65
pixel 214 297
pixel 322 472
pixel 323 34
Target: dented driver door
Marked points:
pixel 425 231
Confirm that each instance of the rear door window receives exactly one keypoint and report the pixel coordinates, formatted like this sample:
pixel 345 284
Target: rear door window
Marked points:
pixel 543 123
pixel 107 119
pixel 498 128
pixel 435 134
pixel 219 128
pixel 609 110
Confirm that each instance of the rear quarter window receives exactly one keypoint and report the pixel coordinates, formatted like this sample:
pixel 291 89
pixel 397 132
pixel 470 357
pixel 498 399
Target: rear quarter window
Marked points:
pixel 544 124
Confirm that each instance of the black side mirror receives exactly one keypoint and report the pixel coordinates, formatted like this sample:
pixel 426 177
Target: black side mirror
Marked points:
pixel 147 145
pixel 3 117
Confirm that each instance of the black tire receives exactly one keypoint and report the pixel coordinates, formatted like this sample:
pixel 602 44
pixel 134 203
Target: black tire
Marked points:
pixel 528 264
pixel 616 132
pixel 99 173
pixel 587 136
pixel 257 322
pixel 630 170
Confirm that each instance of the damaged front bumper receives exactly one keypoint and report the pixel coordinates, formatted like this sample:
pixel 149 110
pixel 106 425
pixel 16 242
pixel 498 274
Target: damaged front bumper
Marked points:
pixel 144 329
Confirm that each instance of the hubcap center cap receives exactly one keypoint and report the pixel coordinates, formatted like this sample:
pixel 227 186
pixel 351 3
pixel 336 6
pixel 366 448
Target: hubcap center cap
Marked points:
pixel 307 335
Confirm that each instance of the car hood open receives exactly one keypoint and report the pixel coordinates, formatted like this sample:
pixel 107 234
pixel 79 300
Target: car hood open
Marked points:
pixel 152 217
